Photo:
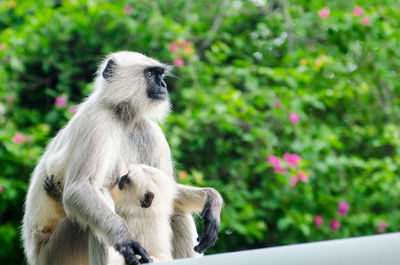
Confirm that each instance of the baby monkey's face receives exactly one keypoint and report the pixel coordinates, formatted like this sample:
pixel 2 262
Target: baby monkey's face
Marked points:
pixel 125 184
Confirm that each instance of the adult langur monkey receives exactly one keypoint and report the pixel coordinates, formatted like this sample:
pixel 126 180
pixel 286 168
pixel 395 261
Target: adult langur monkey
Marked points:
pixel 111 130
pixel 144 197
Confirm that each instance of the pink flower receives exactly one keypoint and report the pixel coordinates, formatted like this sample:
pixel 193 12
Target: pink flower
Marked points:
pixel 334 225
pixel 128 9
pixel 274 160
pixel 358 11
pixel 61 101
pixel 302 176
pixel 276 163
pixel 2 46
pixel 294 118
pixel 179 62
pixel 293 181
pixel 72 109
pixel 183 43
pixel 318 221
pixel 366 21
pixel 1 189
pixel 173 47
pixel 292 159
pixel 343 207
pixel 277 104
pixel 279 170
pixel 324 12
pixel 381 227
pixel 18 138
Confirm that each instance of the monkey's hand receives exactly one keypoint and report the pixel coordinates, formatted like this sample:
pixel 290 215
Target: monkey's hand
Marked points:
pixel 130 249
pixel 211 217
pixel 53 189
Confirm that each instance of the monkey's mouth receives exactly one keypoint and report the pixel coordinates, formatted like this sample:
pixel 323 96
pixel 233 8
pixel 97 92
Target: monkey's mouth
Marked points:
pixel 160 95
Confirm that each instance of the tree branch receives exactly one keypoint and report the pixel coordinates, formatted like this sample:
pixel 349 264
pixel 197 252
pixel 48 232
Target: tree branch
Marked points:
pixel 215 26
pixel 289 26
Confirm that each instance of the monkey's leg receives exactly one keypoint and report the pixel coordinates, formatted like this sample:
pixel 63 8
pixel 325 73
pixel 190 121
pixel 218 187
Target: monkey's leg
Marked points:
pixel 97 251
pixel 67 245
pixel 192 199
pixel 184 236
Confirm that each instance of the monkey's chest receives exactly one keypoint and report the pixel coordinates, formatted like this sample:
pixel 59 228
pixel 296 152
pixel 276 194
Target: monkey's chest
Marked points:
pixel 141 147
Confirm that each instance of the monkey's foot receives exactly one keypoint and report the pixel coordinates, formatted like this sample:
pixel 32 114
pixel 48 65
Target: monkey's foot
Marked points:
pixel 53 189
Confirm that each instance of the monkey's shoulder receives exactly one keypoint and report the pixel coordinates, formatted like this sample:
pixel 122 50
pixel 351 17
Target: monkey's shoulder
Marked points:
pixel 157 131
pixel 148 131
pixel 146 125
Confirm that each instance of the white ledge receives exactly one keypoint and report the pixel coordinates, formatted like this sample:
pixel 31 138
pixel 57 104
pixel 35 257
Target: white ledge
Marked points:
pixel 367 250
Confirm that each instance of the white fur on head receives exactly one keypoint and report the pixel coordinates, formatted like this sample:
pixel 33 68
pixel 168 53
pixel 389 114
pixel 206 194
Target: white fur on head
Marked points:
pixel 127 85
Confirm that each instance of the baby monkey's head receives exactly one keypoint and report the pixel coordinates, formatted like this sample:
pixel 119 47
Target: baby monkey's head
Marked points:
pixel 145 200
pixel 145 190
pixel 141 185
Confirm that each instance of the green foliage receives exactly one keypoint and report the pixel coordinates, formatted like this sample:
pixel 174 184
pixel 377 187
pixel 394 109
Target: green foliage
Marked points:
pixel 242 77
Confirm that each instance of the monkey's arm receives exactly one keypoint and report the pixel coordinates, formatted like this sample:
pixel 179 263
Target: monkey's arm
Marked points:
pixel 89 207
pixel 87 200
pixel 209 202
pixel 54 190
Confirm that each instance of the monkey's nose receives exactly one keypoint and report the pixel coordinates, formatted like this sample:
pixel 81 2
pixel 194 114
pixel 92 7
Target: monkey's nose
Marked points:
pixel 147 200
pixel 163 84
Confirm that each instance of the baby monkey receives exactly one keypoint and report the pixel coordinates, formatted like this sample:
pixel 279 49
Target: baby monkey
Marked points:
pixel 144 198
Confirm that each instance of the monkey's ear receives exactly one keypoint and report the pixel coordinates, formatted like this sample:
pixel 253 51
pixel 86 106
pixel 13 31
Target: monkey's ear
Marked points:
pixel 123 181
pixel 109 70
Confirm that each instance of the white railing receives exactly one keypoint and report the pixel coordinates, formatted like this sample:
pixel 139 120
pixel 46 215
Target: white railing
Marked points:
pixel 367 250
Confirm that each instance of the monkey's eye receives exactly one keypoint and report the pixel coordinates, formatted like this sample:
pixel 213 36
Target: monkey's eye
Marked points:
pixel 149 74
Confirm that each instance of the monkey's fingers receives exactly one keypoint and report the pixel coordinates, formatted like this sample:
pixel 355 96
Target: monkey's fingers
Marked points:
pixel 208 223
pixel 200 248
pixel 206 211
pixel 48 184
pixel 142 260
pixel 209 235
pixel 130 257
pixel 54 190
pixel 204 245
pixel 139 250
pixel 126 250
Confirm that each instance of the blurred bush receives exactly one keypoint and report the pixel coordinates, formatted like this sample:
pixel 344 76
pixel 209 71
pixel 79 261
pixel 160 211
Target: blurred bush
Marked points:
pixel 289 108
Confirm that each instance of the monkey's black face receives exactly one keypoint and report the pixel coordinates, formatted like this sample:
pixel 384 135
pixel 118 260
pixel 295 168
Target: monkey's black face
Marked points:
pixel 156 88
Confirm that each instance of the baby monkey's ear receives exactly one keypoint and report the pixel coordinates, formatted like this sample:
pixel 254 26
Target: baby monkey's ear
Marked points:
pixel 124 180
pixel 109 70
pixel 147 200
